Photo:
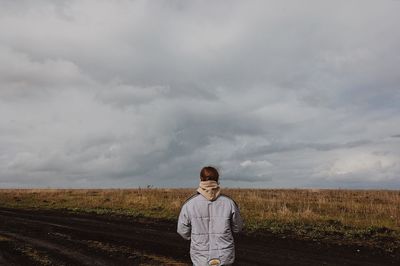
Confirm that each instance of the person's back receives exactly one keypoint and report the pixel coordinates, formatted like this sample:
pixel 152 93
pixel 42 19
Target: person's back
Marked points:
pixel 208 219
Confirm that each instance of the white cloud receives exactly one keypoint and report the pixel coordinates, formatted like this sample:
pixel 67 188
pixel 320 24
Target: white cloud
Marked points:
pixel 363 164
pixel 258 164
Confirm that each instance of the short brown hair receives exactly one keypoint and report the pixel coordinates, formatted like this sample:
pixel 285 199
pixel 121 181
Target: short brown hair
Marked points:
pixel 209 173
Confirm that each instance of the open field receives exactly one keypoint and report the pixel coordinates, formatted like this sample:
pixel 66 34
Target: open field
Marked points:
pixel 336 227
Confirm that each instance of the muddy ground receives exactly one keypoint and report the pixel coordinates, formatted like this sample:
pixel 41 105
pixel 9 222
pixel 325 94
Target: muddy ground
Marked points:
pixel 29 237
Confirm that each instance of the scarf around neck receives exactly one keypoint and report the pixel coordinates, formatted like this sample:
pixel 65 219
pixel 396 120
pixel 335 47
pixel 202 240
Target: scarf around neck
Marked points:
pixel 209 189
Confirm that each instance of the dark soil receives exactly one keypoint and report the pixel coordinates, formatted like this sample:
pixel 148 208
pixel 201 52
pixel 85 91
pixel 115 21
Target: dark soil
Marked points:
pixel 38 237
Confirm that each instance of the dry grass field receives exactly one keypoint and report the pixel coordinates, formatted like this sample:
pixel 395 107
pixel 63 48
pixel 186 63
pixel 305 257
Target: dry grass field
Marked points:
pixel 354 215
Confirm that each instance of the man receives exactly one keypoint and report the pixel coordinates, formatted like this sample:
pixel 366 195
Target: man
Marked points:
pixel 208 219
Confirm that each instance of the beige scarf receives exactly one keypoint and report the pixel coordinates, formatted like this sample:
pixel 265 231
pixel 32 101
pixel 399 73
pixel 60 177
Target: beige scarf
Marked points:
pixel 209 189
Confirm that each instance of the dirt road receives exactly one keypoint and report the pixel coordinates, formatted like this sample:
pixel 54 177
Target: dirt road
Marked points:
pixel 59 238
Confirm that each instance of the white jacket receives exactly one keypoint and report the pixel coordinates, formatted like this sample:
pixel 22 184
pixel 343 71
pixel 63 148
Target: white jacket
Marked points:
pixel 209 225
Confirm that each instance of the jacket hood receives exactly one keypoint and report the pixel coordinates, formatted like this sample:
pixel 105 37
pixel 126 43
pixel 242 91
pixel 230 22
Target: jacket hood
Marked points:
pixel 209 189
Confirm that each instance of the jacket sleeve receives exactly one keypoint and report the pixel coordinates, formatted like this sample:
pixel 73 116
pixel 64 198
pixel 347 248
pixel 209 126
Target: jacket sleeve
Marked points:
pixel 237 221
pixel 184 225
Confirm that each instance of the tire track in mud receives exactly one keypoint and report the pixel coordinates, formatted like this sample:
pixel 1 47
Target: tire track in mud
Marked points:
pixel 43 249
pixel 80 241
pixel 10 256
pixel 37 237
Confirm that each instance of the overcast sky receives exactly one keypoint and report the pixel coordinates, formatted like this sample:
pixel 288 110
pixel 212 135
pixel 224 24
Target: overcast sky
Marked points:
pixel 135 93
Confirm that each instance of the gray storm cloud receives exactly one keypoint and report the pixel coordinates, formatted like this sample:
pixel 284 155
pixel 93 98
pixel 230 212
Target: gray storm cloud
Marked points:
pixel 136 93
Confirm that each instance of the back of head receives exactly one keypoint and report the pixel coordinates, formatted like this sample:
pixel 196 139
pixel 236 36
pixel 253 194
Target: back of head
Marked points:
pixel 209 173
